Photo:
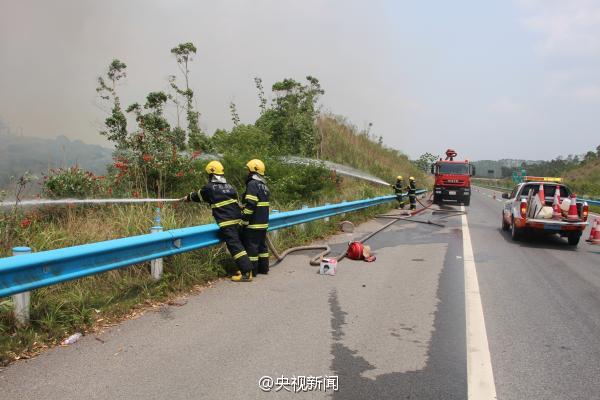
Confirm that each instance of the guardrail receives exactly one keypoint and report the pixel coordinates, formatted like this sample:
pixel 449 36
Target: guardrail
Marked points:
pixel 35 270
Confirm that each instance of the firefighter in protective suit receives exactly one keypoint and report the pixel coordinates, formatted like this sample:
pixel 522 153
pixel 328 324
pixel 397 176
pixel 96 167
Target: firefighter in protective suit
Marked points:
pixel 223 200
pixel 398 188
pixel 412 193
pixel 255 217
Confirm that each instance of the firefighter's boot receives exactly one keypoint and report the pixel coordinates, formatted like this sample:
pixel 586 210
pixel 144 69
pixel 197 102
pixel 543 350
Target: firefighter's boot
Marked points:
pixel 242 277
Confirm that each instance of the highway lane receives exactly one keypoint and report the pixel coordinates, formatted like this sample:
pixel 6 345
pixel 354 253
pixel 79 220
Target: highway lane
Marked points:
pixel 541 300
pixel 392 329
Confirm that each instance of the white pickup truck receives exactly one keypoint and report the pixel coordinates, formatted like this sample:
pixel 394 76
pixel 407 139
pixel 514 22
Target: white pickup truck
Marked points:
pixel 517 218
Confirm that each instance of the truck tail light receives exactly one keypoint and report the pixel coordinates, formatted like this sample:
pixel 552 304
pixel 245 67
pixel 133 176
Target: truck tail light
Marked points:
pixel 585 211
pixel 523 208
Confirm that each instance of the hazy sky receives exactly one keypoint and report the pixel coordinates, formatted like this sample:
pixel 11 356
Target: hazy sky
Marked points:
pixel 492 79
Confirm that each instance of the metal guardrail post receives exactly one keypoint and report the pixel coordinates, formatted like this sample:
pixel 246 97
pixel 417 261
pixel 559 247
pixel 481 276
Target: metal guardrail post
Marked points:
pixel 274 233
pixel 302 227
pixel 21 301
pixel 156 265
pixel 326 219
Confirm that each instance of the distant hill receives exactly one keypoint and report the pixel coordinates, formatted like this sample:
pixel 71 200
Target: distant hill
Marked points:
pixel 585 179
pixel 23 153
pixel 498 169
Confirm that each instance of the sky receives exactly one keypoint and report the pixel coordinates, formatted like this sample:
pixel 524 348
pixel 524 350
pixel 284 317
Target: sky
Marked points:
pixel 492 79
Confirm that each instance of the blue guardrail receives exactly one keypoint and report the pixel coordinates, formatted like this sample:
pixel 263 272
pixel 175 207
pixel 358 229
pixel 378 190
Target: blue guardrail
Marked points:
pixel 26 272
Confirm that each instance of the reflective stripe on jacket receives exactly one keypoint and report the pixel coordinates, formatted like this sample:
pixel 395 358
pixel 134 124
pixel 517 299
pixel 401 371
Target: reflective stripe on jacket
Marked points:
pixel 223 200
pixel 255 203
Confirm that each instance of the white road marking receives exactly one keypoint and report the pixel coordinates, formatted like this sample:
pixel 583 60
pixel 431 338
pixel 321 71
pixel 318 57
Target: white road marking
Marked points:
pixel 480 376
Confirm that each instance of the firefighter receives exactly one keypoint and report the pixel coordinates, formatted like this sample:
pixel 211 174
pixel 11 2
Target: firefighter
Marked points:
pixel 223 200
pixel 398 190
pixel 412 193
pixel 255 217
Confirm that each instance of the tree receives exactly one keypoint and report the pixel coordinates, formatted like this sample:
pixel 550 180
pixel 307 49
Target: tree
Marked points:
pixel 154 147
pixel 261 95
pixel 184 55
pixel 424 162
pixel 589 156
pixel 235 118
pixel 116 123
pixel 291 119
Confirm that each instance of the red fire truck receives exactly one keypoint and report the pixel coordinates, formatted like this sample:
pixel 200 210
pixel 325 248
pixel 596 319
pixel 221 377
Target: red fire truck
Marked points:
pixel 452 179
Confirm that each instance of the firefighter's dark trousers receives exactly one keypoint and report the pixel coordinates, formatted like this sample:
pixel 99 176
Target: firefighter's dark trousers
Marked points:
pixel 413 201
pixel 255 241
pixel 401 201
pixel 233 241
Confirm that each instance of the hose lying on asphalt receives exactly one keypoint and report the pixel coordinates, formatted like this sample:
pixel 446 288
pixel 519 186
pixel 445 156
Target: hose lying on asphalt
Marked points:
pixel 316 260
pixel 408 219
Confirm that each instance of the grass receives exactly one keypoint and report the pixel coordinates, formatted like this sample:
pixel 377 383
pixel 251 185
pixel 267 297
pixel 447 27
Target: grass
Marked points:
pixel 88 304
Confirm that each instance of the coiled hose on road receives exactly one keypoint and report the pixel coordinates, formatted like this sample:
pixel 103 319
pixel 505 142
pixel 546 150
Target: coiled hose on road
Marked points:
pixel 316 260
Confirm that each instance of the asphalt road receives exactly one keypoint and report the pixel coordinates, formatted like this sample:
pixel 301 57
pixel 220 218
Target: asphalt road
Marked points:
pixel 399 328
pixel 541 300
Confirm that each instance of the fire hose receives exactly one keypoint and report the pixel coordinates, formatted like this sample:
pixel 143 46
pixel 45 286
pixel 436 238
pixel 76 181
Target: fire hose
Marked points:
pixel 326 249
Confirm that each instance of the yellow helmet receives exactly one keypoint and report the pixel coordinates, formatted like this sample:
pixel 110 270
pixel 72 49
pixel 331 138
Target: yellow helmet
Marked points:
pixel 256 166
pixel 215 167
pixel 412 178
pixel 399 178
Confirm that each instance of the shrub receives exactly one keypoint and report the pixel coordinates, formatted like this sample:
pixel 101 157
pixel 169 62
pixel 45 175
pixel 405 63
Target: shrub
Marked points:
pixel 72 182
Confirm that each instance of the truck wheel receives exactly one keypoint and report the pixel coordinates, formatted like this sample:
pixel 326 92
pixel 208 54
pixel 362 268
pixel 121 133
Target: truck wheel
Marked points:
pixel 515 233
pixel 467 201
pixel 505 226
pixel 573 238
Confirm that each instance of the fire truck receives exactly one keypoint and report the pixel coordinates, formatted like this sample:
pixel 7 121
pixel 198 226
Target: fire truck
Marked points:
pixel 452 179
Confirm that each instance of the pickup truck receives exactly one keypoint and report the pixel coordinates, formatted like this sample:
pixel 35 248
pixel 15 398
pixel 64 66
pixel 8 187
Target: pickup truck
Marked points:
pixel 516 220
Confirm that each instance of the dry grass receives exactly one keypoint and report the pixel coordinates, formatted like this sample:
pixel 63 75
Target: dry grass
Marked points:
pixel 344 144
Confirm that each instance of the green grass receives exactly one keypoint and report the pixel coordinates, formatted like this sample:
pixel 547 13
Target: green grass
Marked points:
pixel 86 304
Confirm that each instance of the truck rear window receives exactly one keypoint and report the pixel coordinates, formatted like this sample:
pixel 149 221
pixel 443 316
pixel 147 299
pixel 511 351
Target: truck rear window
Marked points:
pixel 548 190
